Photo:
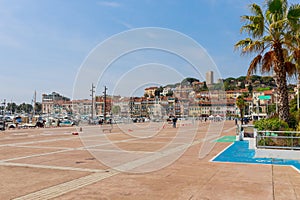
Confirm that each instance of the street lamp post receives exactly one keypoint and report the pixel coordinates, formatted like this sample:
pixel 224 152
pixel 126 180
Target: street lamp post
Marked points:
pixel 104 103
pixel 92 106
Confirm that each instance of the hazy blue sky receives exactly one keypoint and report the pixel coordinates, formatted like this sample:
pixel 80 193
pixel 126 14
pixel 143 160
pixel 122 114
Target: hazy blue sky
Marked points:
pixel 44 42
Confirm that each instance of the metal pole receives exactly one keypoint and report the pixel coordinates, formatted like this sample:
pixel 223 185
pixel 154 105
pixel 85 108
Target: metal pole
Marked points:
pixel 34 102
pixel 276 103
pixel 104 103
pixel 92 108
pixel 4 106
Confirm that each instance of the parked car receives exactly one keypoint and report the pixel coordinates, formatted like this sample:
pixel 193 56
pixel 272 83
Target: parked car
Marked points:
pixel 11 125
pixel 40 123
pixel 66 123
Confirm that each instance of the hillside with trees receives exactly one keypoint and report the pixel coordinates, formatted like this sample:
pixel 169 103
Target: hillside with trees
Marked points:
pixel 254 82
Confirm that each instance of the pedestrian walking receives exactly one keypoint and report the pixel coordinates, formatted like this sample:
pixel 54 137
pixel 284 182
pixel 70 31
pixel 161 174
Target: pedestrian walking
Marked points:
pixel 174 121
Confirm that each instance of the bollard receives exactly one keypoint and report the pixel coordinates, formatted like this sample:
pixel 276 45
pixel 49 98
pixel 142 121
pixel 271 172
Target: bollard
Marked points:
pixel 80 129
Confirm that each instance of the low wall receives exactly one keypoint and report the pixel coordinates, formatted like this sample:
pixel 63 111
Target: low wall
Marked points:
pixel 277 153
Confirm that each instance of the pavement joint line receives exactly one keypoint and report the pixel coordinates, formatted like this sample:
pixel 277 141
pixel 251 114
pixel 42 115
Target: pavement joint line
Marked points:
pixel 103 144
pixel 154 142
pixel 43 147
pixel 61 151
pixel 50 167
pixel 35 155
pixel 121 150
pixel 230 129
pixel 69 186
pixel 63 188
pixel 50 153
pixel 42 141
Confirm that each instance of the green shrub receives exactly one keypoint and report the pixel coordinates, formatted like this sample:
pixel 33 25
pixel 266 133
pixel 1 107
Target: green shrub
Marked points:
pixel 271 124
pixel 292 121
pixel 295 119
pixel 266 142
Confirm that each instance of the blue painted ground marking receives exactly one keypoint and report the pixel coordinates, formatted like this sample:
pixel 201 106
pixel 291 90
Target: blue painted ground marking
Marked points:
pixel 239 152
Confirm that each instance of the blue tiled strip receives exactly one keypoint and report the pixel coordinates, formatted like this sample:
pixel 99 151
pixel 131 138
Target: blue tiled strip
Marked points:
pixel 239 152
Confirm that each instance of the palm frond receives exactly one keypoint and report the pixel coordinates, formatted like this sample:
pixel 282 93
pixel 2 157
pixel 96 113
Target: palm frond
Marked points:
pixel 250 46
pixel 290 68
pixel 242 43
pixel 268 61
pixel 296 56
pixel 277 7
pixel 248 18
pixel 254 25
pixel 254 65
pixel 285 52
pixel 255 46
pixel 256 9
pixel 267 38
pixel 280 24
pixel 292 39
pixel 293 16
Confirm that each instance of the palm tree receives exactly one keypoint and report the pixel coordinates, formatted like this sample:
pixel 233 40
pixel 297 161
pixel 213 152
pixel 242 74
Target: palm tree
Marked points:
pixel 293 41
pixel 241 104
pixel 268 31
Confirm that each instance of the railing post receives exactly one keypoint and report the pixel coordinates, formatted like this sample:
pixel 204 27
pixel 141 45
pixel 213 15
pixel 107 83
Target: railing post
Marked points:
pixel 256 141
pixel 264 138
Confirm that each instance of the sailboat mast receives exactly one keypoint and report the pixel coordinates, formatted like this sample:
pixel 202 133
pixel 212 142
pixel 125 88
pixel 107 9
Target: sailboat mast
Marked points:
pixel 34 102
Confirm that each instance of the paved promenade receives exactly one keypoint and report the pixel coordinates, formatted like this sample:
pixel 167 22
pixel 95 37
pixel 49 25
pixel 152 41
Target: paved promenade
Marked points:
pixel 55 164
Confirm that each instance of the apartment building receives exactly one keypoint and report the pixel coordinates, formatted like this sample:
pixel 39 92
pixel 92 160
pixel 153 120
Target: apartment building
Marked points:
pixel 53 102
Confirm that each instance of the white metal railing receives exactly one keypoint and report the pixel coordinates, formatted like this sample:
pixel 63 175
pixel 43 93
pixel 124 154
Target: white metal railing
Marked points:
pixel 278 139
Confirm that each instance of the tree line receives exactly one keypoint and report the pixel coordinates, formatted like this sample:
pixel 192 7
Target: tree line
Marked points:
pixel 21 108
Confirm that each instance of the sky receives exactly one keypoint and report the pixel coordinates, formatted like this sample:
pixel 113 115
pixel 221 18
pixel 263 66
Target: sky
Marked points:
pixel 46 45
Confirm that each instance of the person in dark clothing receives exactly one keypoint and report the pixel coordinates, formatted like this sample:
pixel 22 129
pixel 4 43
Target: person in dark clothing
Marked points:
pixel 174 121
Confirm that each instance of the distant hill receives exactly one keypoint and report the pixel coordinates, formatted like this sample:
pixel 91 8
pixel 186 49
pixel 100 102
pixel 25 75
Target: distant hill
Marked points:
pixel 231 83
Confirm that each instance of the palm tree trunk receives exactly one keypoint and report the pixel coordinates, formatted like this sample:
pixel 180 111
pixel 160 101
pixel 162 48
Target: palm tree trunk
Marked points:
pixel 283 98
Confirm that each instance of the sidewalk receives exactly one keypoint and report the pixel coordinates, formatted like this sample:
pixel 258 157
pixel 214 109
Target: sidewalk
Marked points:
pixel 53 163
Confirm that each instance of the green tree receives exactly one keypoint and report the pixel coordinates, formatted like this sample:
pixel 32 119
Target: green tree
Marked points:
pixel 271 109
pixel 242 86
pixel 218 86
pixel 12 107
pixel 250 89
pixel 170 93
pixel 241 104
pixel 158 91
pixel 293 105
pixel 204 88
pixel 241 79
pixel 26 108
pixel 189 81
pixel 254 78
pixel 116 110
pixel 229 86
pixel 293 38
pixel 38 107
pixel 268 31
